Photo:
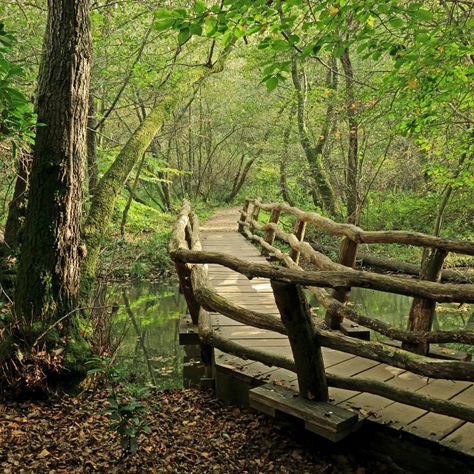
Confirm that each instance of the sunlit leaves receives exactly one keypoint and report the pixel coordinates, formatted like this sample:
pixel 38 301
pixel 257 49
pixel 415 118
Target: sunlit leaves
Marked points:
pixel 16 117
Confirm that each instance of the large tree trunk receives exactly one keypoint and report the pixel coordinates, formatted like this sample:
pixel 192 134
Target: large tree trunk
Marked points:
pixel 49 268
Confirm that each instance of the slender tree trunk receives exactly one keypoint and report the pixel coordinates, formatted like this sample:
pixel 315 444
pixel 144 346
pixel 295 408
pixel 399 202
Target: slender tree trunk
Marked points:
pixel 241 180
pixel 242 175
pixel 353 208
pixel 49 269
pixel 92 168
pixel 323 194
pixel 131 196
pixel 285 194
pixel 163 187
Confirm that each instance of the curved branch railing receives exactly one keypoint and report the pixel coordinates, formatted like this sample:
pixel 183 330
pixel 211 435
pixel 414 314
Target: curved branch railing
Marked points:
pixel 426 292
pixel 186 251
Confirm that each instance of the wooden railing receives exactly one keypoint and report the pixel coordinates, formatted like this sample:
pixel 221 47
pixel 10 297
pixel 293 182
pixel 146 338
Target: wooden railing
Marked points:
pixel 307 334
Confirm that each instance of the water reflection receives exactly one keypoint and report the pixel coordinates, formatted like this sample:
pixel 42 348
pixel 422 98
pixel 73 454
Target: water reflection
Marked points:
pixel 394 309
pixel 146 319
pixel 147 322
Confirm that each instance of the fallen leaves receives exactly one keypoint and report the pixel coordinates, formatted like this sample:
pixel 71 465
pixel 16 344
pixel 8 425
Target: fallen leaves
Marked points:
pixel 191 432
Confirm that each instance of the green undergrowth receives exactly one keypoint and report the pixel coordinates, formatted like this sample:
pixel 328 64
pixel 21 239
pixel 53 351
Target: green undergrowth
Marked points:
pixel 398 211
pixel 142 253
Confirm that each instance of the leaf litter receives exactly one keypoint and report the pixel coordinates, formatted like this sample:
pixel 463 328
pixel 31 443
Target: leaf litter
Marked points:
pixel 190 432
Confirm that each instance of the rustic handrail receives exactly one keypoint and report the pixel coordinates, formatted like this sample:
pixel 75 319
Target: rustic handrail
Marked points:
pixel 185 249
pixel 255 270
pixel 361 236
pixel 423 306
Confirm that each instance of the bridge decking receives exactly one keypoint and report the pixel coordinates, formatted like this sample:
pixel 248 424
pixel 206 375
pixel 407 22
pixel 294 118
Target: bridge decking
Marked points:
pixel 219 233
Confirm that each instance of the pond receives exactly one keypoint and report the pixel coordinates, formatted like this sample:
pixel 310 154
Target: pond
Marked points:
pixel 394 310
pixel 146 322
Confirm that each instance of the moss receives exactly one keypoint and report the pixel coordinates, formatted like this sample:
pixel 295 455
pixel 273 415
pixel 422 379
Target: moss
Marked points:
pixel 111 184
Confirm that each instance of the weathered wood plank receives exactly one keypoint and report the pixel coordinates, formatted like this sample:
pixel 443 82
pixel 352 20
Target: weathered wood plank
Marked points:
pixel 461 440
pixel 323 418
pixel 352 367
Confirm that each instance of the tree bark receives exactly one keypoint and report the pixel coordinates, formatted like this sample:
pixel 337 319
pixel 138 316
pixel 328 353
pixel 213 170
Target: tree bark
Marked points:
pixel 353 208
pixel 422 310
pixel 323 193
pixel 49 268
pixel 17 206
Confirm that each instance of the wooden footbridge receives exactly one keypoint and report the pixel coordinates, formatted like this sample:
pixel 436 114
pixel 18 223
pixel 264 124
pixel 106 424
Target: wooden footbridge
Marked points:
pixel 264 347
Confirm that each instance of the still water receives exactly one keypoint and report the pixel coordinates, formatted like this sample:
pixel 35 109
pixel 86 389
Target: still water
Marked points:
pixel 146 324
pixel 146 318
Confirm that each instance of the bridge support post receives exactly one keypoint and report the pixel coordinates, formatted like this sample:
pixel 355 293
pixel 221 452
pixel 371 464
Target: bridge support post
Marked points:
pixel 299 231
pixel 244 214
pixel 255 211
pixel 347 257
pixel 422 310
pixel 184 277
pixel 296 317
pixel 270 234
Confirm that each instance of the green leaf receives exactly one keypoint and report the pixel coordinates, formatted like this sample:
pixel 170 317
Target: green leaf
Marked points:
pixel 200 7
pixel 293 39
pixel 164 24
pixel 280 45
pixel 271 83
pixel 195 29
pixel 396 22
pixel 163 13
pixel 184 35
pixel 421 14
pixel 376 55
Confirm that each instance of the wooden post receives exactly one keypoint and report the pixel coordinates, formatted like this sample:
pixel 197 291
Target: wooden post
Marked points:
pixel 184 277
pixel 207 351
pixel 422 310
pixel 347 257
pixel 270 234
pixel 255 212
pixel 244 214
pixel 295 315
pixel 299 230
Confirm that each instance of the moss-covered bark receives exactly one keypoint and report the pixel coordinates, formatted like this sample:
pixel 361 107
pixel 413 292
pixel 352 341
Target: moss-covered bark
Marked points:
pixel 109 187
pixel 111 184
pixel 323 193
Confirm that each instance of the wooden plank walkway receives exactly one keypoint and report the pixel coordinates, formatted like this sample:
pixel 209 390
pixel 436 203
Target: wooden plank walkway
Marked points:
pixel 220 234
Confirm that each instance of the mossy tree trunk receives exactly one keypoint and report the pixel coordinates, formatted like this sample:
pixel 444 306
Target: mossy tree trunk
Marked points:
pixel 352 172
pixel 323 193
pixel 284 190
pixel 111 184
pixel 48 278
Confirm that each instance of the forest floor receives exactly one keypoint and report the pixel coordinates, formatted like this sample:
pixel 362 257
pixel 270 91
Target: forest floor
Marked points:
pixel 190 432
